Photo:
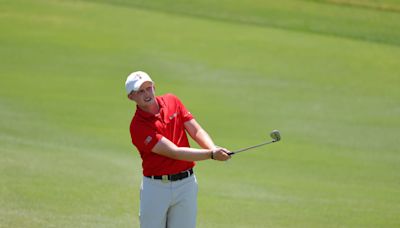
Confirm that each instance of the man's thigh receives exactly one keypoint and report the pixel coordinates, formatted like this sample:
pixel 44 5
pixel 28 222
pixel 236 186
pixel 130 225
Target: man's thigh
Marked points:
pixel 155 199
pixel 183 211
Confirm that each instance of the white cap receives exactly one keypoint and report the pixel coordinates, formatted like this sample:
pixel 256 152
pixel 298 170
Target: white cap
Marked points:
pixel 135 80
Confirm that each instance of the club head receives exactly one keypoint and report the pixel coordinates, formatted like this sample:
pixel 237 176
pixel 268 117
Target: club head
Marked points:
pixel 275 135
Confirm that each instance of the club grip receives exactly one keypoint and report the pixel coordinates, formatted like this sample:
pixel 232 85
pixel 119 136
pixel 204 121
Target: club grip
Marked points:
pixel 231 153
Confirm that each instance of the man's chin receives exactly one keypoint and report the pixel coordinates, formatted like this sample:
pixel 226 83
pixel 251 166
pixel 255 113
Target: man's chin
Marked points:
pixel 149 101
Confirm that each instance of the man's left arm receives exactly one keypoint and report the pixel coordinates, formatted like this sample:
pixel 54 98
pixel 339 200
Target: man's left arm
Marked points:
pixel 199 135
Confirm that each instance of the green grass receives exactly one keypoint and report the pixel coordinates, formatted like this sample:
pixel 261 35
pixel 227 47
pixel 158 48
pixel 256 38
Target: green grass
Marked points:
pixel 325 73
pixel 366 20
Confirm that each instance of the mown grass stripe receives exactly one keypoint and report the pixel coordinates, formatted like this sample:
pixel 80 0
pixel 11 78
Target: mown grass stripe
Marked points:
pixel 306 19
pixel 391 7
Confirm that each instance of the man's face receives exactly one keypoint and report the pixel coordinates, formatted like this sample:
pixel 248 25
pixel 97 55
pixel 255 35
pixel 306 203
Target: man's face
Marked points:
pixel 145 96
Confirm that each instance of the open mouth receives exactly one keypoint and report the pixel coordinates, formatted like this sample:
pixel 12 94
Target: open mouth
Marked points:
pixel 148 99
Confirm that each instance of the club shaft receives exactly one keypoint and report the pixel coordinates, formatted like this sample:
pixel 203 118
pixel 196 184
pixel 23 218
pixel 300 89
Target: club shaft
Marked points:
pixel 251 147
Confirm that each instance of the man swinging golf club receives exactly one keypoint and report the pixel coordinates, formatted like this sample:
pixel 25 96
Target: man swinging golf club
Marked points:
pixel 168 196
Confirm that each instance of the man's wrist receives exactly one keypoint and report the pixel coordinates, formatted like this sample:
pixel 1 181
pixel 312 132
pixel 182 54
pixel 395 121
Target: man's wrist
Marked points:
pixel 212 155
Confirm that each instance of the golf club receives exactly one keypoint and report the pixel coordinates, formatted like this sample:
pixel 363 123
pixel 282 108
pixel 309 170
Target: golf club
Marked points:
pixel 275 135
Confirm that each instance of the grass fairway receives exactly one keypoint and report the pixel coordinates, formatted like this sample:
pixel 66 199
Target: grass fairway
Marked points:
pixel 325 73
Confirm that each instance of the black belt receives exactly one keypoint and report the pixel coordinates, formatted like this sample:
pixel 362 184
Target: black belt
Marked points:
pixel 173 177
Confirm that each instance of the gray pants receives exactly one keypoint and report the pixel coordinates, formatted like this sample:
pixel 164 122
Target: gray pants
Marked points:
pixel 168 204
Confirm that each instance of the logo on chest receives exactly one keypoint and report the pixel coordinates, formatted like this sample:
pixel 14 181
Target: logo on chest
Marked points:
pixel 173 116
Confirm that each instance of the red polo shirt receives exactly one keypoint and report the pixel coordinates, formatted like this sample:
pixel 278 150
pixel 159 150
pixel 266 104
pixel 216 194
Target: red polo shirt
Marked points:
pixel 147 129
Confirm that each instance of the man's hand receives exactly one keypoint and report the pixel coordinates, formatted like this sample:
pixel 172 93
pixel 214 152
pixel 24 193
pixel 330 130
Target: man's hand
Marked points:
pixel 220 154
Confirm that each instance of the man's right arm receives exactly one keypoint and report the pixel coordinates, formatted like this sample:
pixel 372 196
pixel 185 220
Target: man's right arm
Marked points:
pixel 168 149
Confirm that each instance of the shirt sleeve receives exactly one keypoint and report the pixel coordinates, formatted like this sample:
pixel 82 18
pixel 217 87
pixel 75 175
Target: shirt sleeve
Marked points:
pixel 186 115
pixel 144 137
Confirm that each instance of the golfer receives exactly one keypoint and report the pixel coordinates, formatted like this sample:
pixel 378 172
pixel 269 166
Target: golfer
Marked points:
pixel 168 194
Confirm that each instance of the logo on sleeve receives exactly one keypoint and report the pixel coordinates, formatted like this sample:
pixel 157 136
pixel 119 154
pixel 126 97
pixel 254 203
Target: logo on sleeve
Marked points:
pixel 148 140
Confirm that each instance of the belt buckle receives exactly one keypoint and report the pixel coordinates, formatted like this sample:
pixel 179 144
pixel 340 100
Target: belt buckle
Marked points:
pixel 164 178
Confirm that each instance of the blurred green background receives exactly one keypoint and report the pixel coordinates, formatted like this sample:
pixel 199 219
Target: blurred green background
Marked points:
pixel 325 73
